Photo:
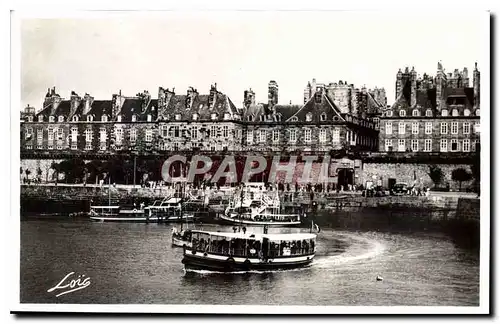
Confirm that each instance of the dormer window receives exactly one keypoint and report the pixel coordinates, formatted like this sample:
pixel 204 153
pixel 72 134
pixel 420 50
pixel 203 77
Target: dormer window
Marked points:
pixel 323 117
pixel 134 118
pixel 477 112
pixel 201 106
pixel 309 117
pixel 250 118
pixel 104 118
pixel 466 112
pixel 51 119
pixel 317 96
pixel 60 119
pixel 402 113
pixel 454 112
pixel 40 118
pixel 262 118
pixel 150 118
pixel 195 116
pixel 75 118
pixel 119 118
pixel 30 119
pixel 415 113
pixel 389 113
pixel 444 113
pixel 90 118
pixel 213 116
pixel 336 118
pixel 227 116
pixel 294 119
pixel 428 113
pixel 278 117
pixel 177 116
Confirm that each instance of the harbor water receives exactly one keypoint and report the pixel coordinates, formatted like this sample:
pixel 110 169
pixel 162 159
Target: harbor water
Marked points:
pixel 135 264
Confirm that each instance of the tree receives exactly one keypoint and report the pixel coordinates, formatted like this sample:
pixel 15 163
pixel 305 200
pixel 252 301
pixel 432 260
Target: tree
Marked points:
pixel 436 174
pixel 56 167
pixel 28 172
pixel 461 175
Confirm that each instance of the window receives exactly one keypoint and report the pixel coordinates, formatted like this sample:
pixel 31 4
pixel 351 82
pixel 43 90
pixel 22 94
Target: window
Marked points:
pixel 443 145
pixel 454 145
pixel 454 112
pixel 29 132
pixel 119 136
pixel 402 113
pixel 466 128
pixel 51 134
pixel 88 135
pixel 88 146
pixel 176 146
pixel 149 135
pixel 278 117
pixel 294 119
pixel 322 135
pixel 30 119
pixel 29 147
pixel 51 119
pixel 293 135
pixel 276 135
pixel 466 112
pixel 477 127
pixel 213 131
pixel 90 118
pixel 428 127
pixel 60 134
pixel 444 128
pixel 119 118
pixel 195 116
pixel 262 118
pixel 415 113
pixel 477 112
pixel 262 135
pixel 40 118
pixel 388 145
pixel 323 117
pixel 414 128
pixel 133 135
pixel 336 135
pixel 213 147
pixel 428 145
pixel 104 118
pixel 444 113
pixel 250 136
pixel 388 128
pixel 74 145
pixel 454 127
pixel 59 146
pixel 466 145
pixel 174 131
pixel 307 135
pixel 39 136
pixel 134 118
pixel 389 113
pixel 225 131
pixel 401 128
pixel 428 113
pixel 309 117
pixel 50 146
pixel 401 145
pixel 103 135
pixel 102 146
pixel 75 118
pixel 194 133
pixel 150 118
pixel 250 118
pixel 213 116
pixel 414 145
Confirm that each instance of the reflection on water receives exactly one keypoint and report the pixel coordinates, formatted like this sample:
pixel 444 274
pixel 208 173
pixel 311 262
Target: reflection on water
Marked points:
pixel 135 263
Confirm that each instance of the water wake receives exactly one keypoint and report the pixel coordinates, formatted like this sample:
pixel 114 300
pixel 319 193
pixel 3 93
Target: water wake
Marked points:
pixel 360 248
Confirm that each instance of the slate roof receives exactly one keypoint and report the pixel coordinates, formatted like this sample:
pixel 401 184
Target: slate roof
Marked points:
pixel 326 106
pixel 200 105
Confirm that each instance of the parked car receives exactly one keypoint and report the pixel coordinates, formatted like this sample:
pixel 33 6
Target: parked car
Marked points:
pixel 400 188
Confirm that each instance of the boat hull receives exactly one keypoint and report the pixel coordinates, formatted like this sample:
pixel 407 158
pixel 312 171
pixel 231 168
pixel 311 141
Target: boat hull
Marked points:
pixel 229 220
pixel 210 262
pixel 142 219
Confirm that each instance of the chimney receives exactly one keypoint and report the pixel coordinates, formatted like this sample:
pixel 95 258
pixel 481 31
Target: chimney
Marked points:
pixel 476 85
pixel 74 103
pixel 117 103
pixel 465 75
pixel 248 98
pixel 272 93
pixel 399 83
pixel 440 85
pixel 307 92
pixel 87 103
pixel 213 96
pixel 413 79
pixel 191 94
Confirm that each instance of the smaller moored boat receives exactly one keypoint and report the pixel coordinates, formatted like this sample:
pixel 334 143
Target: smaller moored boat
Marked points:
pixel 228 252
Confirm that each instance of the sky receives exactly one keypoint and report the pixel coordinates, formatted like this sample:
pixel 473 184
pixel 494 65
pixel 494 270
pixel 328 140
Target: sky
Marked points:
pixel 102 54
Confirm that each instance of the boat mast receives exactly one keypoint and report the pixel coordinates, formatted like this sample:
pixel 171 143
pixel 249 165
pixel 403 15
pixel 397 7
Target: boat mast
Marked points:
pixel 182 198
pixel 239 210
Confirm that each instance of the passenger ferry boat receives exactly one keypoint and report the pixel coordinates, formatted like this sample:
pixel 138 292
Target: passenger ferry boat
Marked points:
pixel 228 252
pixel 168 210
pixel 259 210
pixel 117 214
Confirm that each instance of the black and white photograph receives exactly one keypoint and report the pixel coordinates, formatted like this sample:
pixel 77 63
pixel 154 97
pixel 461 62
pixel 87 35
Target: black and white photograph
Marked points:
pixel 251 162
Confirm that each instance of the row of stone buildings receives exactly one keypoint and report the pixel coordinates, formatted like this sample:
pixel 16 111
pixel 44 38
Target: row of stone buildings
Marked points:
pixel 430 114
